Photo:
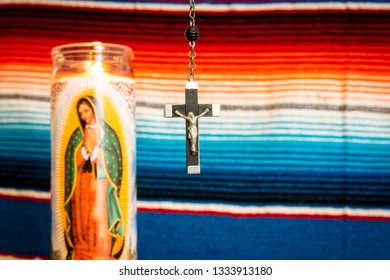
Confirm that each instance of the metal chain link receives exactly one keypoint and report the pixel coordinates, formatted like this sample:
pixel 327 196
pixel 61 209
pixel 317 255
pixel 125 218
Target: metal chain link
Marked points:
pixel 192 53
pixel 192 12
pixel 192 64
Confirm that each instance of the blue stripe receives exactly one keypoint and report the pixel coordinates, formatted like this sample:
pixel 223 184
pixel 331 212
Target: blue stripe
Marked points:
pixel 260 158
pixel 160 236
pixel 208 237
pixel 25 227
pixel 255 168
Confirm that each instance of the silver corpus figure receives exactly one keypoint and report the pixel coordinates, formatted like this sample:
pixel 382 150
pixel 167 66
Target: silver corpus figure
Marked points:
pixel 192 128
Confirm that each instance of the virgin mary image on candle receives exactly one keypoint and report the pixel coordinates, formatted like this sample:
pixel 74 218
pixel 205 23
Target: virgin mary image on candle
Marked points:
pixel 93 161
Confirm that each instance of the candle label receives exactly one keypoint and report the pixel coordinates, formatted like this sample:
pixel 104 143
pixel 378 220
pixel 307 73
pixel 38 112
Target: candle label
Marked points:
pixel 93 168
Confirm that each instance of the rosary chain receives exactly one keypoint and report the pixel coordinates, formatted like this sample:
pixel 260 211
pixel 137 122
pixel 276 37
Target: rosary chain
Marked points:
pixel 192 64
pixel 192 13
pixel 192 53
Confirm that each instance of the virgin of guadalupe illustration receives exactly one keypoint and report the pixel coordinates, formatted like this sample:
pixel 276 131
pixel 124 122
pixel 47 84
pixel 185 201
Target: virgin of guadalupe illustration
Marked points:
pixel 93 175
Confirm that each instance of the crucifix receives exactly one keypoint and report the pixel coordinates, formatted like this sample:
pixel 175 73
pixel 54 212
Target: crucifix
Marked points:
pixel 191 111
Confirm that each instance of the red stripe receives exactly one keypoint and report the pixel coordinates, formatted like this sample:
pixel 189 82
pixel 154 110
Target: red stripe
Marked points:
pixel 25 198
pixel 23 256
pixel 267 215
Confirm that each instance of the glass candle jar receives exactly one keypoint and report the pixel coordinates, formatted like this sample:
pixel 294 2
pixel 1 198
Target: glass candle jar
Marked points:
pixel 93 164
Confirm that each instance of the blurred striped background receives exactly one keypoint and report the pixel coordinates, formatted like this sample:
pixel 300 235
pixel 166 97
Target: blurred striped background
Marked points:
pixel 296 167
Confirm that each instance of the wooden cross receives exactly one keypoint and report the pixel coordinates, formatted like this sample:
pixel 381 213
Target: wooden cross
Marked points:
pixel 192 111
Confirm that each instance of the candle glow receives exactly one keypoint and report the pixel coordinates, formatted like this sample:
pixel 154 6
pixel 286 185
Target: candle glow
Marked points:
pixel 97 69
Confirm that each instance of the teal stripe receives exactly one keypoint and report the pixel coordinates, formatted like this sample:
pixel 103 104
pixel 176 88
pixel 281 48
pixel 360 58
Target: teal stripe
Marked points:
pixel 273 124
pixel 259 135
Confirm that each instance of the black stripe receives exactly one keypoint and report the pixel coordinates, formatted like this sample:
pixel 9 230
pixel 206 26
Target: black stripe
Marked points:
pixel 255 187
pixel 267 185
pixel 196 195
pixel 269 198
pixel 215 197
pixel 373 21
pixel 26 183
pixel 25 97
pixel 253 178
pixel 18 176
pixel 322 107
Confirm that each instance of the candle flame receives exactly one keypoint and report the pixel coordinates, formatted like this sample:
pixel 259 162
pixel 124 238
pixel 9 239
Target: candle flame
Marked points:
pixel 97 69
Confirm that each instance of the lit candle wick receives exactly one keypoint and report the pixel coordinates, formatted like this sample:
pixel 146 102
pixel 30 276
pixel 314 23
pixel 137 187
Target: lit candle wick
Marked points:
pixel 97 69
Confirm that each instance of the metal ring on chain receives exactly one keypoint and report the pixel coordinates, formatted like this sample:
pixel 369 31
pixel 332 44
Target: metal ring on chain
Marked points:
pixel 192 54
pixel 192 66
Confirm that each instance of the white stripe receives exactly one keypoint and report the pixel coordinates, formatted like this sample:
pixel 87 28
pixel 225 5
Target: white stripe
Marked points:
pixel 265 124
pixel 326 85
pixel 350 122
pixel 259 115
pixel 19 114
pixel 25 193
pixel 231 209
pixel 261 96
pixel 20 105
pixel 253 121
pixel 17 120
pixel 312 90
pixel 24 90
pixel 173 79
pixel 274 138
pixel 221 83
pixel 223 128
pixel 25 79
pixel 260 99
pixel 209 7
pixel 24 86
pixel 260 210
pixel 261 122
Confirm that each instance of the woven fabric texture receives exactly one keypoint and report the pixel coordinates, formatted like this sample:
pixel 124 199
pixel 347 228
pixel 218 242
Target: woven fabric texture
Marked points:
pixel 296 167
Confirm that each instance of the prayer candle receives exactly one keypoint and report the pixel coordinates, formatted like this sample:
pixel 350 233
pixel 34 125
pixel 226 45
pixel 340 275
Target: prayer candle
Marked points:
pixel 93 164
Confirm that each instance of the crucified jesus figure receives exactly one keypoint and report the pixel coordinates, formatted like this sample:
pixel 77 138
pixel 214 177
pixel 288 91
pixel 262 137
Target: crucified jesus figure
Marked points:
pixel 192 127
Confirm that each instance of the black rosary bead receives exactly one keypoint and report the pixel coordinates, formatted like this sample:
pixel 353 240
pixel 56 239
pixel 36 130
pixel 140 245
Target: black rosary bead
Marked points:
pixel 192 33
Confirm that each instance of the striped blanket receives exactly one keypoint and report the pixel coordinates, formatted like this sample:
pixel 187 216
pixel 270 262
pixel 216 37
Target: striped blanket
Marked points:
pixel 296 167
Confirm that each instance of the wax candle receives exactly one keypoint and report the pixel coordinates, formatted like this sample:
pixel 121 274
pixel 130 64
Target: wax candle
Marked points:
pixel 93 163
